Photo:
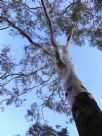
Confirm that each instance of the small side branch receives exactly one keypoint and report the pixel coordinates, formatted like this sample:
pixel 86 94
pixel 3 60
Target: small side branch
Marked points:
pixel 27 89
pixel 69 6
pixel 4 28
pixel 70 35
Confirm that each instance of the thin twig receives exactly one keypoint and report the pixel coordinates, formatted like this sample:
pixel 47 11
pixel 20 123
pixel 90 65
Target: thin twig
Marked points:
pixel 28 89
pixel 65 10
pixel 4 28
pixel 24 74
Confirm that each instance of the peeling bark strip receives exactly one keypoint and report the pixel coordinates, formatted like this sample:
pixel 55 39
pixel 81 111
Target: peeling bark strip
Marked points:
pixel 87 115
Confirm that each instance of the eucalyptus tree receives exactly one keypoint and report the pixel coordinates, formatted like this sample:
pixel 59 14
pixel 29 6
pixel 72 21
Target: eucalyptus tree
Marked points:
pixel 44 23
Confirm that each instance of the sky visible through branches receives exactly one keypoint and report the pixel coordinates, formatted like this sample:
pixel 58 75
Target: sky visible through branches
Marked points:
pixel 33 78
pixel 87 63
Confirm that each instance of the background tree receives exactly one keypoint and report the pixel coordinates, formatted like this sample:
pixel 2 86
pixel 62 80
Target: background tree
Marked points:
pixel 43 23
pixel 39 130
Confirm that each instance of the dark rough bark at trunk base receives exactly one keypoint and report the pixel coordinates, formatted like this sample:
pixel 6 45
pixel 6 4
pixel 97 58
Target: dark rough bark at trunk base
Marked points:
pixel 87 115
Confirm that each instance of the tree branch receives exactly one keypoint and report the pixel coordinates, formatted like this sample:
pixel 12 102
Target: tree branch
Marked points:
pixel 25 35
pixel 52 34
pixel 27 89
pixel 25 74
pixel 4 28
pixel 70 35
pixel 65 10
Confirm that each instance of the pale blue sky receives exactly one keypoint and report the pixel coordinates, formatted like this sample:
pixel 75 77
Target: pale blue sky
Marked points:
pixel 88 66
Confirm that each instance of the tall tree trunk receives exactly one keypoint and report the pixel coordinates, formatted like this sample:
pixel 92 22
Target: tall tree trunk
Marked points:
pixel 86 113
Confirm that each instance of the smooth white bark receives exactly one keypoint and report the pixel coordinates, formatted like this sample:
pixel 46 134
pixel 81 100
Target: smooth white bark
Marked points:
pixel 72 85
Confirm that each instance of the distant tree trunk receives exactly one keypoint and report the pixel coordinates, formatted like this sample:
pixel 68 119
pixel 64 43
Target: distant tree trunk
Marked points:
pixel 86 113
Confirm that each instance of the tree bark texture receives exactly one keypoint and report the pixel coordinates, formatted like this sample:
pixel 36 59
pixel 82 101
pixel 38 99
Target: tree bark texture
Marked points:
pixel 87 115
